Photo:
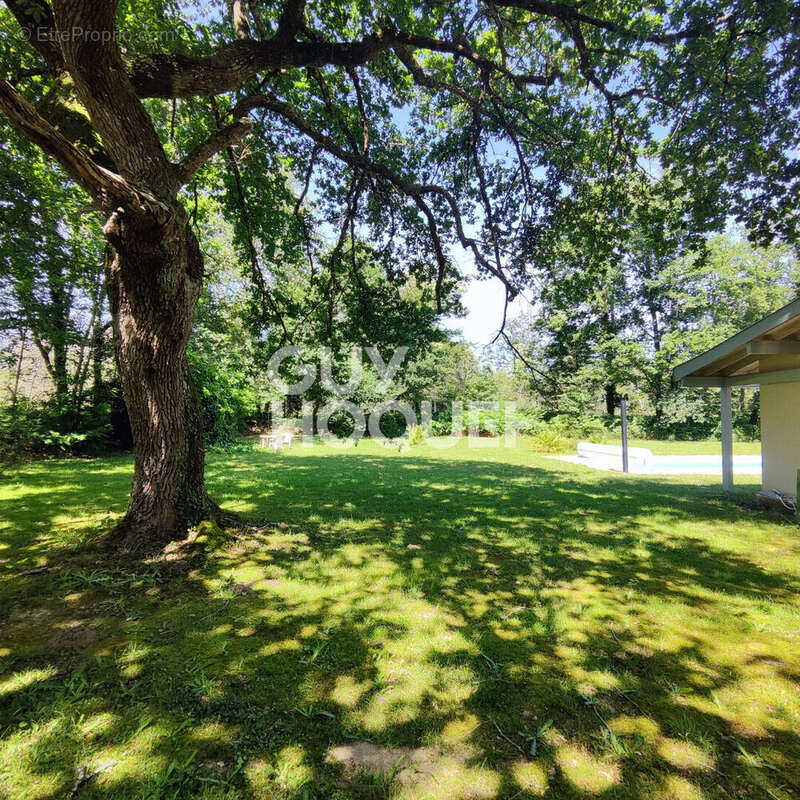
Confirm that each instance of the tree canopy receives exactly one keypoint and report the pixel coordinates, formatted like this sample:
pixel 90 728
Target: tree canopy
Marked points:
pixel 355 148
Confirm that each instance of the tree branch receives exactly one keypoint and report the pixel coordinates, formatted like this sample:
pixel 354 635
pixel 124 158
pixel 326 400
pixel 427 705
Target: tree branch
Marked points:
pixel 361 110
pixel 258 275
pixel 193 161
pixel 169 75
pixel 298 214
pixel 571 14
pixel 535 371
pixel 415 191
pixel 102 84
pixel 291 21
pixel 241 24
pixel 35 17
pixel 258 20
pixel 102 184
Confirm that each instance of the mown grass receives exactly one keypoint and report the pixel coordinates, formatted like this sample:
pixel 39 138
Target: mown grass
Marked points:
pixel 527 627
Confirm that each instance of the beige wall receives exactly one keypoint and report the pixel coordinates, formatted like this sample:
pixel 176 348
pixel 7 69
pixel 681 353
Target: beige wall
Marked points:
pixel 780 436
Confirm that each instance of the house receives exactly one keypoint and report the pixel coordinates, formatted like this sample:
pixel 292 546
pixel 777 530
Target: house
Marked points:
pixel 766 355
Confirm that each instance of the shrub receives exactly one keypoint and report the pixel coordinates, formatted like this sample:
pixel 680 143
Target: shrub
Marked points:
pixel 487 422
pixel 484 422
pixel 688 430
pixel 416 435
pixel 15 431
pixel 341 424
pixel 41 429
pixel 442 423
pixel 549 441
pixel 528 423
pixel 393 424
pixel 225 400
pixel 636 428
pixel 441 427
pixel 746 432
pixel 581 426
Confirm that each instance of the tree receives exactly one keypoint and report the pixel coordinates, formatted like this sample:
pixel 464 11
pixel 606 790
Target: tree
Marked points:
pixel 51 288
pixel 703 299
pixel 447 373
pixel 672 303
pixel 398 108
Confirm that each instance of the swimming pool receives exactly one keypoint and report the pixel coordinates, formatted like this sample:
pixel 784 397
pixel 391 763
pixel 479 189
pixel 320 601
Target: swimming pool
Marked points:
pixel 643 462
pixel 700 465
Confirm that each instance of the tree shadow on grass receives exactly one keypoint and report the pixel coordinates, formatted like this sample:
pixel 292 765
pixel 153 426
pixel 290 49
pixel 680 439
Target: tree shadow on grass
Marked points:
pixel 452 607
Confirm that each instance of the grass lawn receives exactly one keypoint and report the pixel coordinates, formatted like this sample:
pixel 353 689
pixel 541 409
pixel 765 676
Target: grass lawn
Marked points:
pixel 428 623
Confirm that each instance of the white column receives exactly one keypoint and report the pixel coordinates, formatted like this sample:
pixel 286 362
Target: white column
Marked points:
pixel 727 438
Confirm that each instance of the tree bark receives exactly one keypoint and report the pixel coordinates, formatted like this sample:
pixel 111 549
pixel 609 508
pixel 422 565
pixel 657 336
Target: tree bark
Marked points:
pixel 15 396
pixel 611 398
pixel 154 282
pixel 54 331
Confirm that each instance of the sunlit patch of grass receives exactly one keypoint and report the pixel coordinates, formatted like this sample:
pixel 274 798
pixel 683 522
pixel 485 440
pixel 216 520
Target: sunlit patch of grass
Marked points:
pixel 517 627
pixel 347 691
pixel 684 755
pixel 25 678
pixel 531 778
pixel 625 725
pixel 675 787
pixel 450 778
pixel 585 771
pixel 291 768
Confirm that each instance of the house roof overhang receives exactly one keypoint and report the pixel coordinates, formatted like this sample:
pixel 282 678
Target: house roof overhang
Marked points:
pixel 766 352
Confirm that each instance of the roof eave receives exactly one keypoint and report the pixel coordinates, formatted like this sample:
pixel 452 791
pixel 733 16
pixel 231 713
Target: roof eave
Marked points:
pixel 741 339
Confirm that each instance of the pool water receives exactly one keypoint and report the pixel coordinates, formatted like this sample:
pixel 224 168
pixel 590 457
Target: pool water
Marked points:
pixel 671 465
pixel 702 465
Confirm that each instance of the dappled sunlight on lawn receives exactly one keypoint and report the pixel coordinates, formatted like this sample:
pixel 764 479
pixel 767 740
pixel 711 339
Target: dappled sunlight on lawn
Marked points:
pixel 419 624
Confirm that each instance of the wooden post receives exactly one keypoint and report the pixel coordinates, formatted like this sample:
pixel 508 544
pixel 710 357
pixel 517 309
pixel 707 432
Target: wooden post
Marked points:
pixel 727 438
pixel 623 412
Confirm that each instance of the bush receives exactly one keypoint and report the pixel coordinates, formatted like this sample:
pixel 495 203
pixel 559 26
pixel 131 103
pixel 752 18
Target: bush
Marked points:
pixel 43 429
pixel 581 426
pixel 225 400
pixel 688 430
pixel 442 423
pixel 528 423
pixel 341 424
pixel 15 432
pixel 484 422
pixel 393 424
pixel 549 441
pixel 416 435
pixel 747 423
pixel 636 429
pixel 487 422
pixel 747 432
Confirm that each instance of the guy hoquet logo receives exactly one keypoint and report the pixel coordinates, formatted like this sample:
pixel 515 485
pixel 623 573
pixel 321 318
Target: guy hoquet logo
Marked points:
pixel 464 417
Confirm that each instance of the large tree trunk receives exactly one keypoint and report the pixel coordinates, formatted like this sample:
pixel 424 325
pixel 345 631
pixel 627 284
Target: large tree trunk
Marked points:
pixel 154 282
pixel 155 277
pixel 611 398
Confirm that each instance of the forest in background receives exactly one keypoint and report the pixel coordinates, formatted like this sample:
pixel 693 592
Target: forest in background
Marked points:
pixel 568 357
pixel 315 232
